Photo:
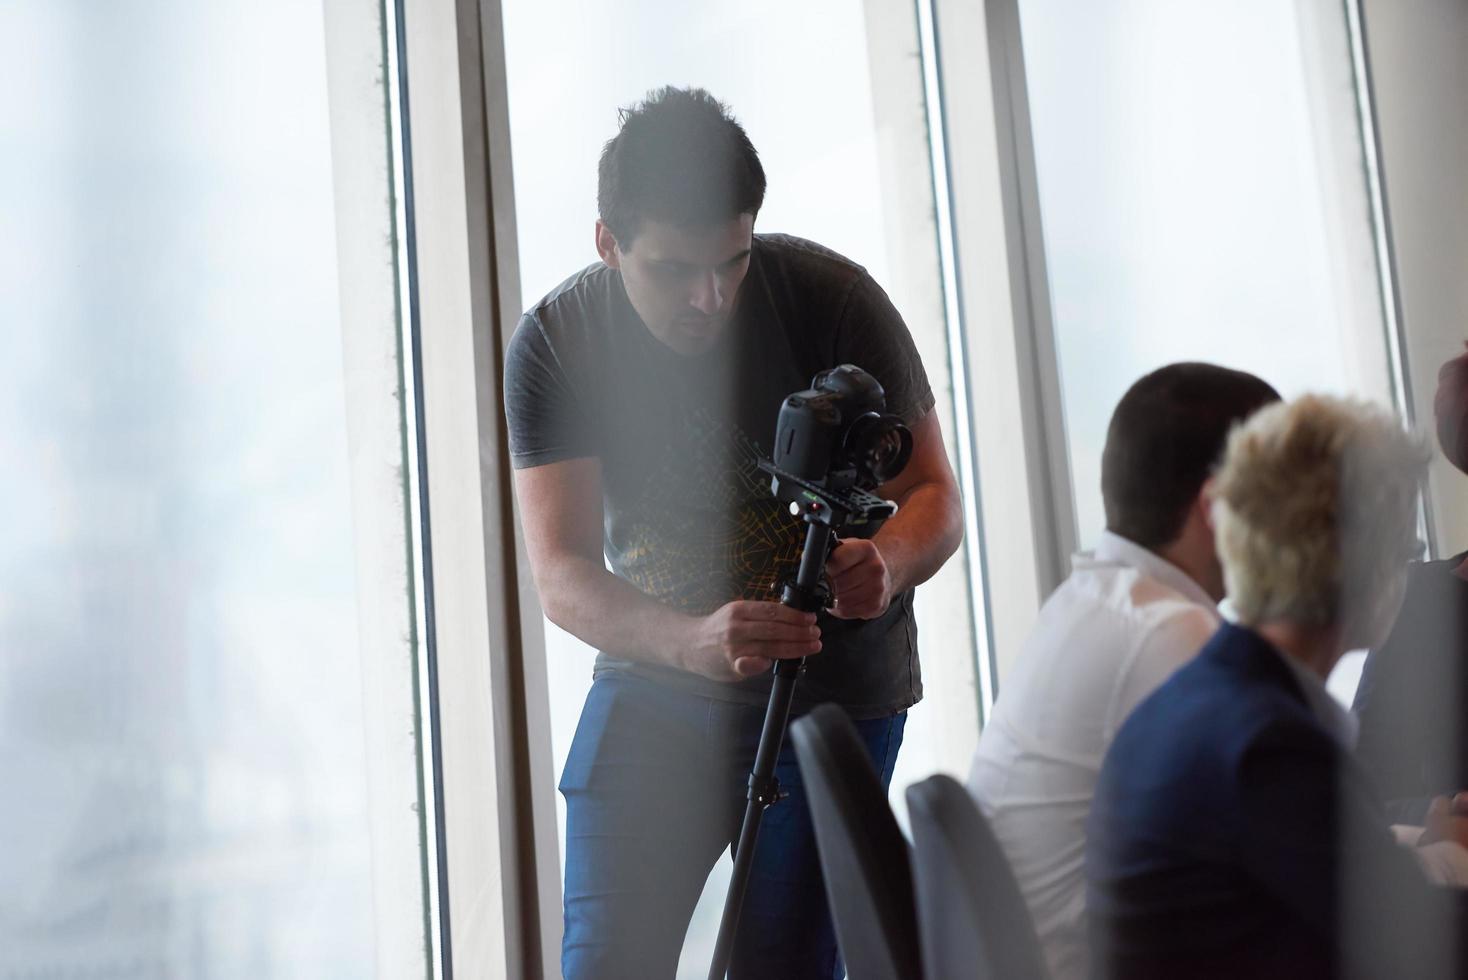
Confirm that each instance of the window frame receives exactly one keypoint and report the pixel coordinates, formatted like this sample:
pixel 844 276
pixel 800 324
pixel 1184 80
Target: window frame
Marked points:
pixel 496 858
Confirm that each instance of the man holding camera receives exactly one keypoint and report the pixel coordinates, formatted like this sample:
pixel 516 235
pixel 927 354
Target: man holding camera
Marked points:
pixel 640 394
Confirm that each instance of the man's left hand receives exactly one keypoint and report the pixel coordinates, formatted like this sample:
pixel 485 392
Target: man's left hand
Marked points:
pixel 860 580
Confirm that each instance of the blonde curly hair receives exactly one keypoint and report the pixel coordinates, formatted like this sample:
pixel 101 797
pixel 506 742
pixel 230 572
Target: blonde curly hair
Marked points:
pixel 1315 515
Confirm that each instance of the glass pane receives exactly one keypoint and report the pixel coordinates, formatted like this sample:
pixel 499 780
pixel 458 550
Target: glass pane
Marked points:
pixel 842 165
pixel 183 726
pixel 1203 198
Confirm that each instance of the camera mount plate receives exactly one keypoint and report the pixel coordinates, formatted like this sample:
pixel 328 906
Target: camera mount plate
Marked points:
pixel 836 509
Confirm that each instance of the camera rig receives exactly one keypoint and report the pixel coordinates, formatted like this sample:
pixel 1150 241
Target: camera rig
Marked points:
pixel 833 446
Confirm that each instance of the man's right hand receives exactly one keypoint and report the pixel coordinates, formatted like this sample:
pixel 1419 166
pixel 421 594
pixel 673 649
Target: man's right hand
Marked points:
pixel 745 638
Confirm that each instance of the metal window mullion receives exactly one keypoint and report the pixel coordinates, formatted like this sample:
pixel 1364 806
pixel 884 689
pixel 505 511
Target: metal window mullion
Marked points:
pixel 472 595
pixel 970 485
pixel 1039 363
pixel 439 933
pixel 1386 260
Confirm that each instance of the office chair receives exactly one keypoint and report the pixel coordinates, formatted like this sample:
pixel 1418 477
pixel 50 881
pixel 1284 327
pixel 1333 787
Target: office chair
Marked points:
pixel 864 857
pixel 972 917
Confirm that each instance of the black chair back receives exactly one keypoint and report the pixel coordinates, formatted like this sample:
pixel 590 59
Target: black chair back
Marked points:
pixel 972 916
pixel 864 856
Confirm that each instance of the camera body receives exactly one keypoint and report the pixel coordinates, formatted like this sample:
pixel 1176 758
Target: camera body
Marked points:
pixel 837 434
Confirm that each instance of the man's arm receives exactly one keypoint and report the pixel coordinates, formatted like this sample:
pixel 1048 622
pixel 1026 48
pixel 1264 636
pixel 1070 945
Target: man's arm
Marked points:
pixel 865 575
pixel 561 504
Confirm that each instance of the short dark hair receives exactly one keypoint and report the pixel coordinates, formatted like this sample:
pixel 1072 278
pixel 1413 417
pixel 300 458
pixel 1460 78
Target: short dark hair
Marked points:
pixel 680 157
pixel 1166 436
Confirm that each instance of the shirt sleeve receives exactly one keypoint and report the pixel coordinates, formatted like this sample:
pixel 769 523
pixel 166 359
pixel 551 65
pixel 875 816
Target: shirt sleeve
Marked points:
pixel 873 336
pixel 547 422
pixel 1170 644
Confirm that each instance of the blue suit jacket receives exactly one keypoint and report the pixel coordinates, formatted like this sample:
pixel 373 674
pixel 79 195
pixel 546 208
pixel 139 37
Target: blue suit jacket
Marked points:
pixel 1413 697
pixel 1232 836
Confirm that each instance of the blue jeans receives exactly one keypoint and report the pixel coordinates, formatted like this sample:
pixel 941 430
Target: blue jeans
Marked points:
pixel 655 789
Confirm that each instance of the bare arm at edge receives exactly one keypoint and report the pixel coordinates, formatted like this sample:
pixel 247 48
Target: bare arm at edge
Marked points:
pixel 561 504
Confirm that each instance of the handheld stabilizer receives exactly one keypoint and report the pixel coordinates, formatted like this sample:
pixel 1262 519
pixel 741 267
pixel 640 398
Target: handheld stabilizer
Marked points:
pixel 834 444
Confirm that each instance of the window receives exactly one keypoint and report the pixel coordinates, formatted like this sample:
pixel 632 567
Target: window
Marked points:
pixel 1203 198
pixel 207 712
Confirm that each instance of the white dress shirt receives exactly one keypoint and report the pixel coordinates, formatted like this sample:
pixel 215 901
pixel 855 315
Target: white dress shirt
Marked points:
pixel 1117 628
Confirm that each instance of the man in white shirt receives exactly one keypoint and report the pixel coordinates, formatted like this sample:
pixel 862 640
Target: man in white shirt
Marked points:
pixel 1130 614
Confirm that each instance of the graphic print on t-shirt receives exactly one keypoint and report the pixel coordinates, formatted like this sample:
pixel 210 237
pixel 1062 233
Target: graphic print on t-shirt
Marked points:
pixel 709 530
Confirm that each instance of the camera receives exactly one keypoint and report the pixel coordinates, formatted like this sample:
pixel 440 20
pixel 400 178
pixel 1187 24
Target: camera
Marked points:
pixel 838 436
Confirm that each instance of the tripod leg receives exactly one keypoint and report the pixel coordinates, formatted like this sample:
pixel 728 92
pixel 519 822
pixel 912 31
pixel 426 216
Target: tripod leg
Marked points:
pixel 763 791
pixel 804 593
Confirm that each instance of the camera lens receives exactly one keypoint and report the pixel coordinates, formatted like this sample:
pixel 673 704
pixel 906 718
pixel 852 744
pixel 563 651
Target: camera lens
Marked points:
pixel 879 446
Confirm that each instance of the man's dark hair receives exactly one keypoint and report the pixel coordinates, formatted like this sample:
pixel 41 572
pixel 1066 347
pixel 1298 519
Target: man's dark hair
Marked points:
pixel 678 157
pixel 1165 438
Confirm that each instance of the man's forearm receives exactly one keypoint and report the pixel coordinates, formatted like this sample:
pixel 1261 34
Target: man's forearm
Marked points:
pixel 740 639
pixel 602 610
pixel 924 533
pixel 591 603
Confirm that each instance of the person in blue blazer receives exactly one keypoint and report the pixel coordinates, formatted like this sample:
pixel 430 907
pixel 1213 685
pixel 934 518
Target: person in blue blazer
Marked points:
pixel 1232 834
pixel 1413 696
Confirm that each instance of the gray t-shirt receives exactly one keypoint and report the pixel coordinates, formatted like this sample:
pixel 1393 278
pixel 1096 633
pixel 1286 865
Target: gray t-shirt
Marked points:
pixel 689 520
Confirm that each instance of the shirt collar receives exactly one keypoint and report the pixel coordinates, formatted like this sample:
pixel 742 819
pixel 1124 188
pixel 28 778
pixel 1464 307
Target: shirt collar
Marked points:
pixel 1115 549
pixel 1340 723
